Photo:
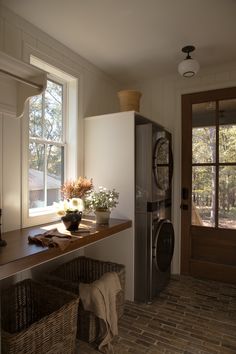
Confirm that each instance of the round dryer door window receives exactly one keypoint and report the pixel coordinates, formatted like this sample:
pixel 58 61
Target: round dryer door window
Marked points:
pixel 163 245
pixel 162 164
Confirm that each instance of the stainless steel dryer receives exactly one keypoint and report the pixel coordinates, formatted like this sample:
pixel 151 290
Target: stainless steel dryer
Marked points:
pixel 154 233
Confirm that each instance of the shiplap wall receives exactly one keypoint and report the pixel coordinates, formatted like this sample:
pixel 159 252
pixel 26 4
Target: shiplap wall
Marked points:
pixel 161 100
pixel 97 95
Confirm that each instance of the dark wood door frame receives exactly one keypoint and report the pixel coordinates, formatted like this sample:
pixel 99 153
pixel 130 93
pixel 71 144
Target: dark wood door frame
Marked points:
pixel 191 265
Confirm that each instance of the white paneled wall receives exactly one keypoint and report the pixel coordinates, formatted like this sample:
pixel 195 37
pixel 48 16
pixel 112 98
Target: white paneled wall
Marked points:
pixel 97 95
pixel 11 168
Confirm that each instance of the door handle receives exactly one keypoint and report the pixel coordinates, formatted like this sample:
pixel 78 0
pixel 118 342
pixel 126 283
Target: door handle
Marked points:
pixel 184 206
pixel 184 193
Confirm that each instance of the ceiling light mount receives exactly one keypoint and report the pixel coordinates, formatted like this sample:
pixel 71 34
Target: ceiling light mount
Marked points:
pixel 188 49
pixel 188 67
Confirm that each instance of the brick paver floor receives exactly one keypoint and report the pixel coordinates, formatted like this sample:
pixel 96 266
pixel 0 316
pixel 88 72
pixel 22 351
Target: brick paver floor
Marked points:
pixel 189 316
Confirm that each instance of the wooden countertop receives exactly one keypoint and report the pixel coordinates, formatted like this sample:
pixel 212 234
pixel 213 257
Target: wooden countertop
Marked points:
pixel 19 255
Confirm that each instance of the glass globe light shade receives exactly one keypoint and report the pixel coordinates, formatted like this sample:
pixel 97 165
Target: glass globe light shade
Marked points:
pixel 188 67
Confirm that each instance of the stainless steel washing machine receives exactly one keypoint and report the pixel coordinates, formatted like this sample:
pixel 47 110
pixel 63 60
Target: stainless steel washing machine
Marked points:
pixel 154 233
pixel 162 253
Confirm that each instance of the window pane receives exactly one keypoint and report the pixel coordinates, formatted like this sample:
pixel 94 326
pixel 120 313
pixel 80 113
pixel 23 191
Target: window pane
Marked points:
pixel 35 117
pixel 204 145
pixel 227 197
pixel 46 160
pixel 227 131
pixel 55 173
pixel 203 195
pixel 36 175
pixel 53 112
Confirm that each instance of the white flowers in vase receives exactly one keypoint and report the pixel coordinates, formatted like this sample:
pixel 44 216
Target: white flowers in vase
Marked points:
pixel 101 200
pixel 72 205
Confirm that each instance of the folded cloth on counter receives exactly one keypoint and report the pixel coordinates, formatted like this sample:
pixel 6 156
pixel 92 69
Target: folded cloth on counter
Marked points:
pixel 99 297
pixel 51 238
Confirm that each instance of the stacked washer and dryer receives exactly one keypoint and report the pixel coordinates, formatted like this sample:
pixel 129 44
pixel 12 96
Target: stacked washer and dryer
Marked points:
pixel 154 233
pixel 132 154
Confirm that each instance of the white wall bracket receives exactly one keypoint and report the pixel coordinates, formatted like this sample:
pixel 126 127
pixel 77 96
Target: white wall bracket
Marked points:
pixel 30 81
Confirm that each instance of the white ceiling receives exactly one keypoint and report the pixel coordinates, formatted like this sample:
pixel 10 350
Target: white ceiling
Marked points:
pixel 134 40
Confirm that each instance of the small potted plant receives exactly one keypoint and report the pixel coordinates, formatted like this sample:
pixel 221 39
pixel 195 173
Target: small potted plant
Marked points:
pixel 70 209
pixel 101 202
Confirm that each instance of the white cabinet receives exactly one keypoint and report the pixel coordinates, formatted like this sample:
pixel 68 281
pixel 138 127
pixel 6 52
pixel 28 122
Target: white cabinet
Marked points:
pixel 110 160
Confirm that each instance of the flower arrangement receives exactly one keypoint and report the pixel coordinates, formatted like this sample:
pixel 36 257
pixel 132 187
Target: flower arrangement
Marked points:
pixel 101 200
pixel 73 191
pixel 76 188
pixel 73 205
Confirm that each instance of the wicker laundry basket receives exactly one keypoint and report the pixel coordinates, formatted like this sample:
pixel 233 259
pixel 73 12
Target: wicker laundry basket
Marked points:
pixel 87 270
pixel 38 319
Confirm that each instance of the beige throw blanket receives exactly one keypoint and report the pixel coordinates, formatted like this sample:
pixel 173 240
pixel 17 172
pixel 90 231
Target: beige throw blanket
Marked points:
pixel 51 238
pixel 58 237
pixel 99 297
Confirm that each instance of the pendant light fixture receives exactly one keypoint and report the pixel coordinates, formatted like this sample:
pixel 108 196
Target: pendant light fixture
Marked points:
pixel 188 67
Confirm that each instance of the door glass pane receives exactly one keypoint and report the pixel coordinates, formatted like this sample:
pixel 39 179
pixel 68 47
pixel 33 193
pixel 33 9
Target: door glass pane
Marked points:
pixel 204 114
pixel 227 197
pixel 203 195
pixel 203 132
pixel 204 145
pixel 227 131
pixel 55 173
pixel 36 175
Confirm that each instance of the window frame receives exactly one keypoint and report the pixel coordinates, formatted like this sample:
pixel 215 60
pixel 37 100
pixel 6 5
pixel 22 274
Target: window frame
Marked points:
pixel 46 143
pixel 70 141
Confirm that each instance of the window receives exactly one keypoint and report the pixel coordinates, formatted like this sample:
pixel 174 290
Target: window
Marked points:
pixel 50 145
pixel 46 146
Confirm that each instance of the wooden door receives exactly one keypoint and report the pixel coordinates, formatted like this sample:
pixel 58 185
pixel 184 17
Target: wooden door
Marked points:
pixel 208 216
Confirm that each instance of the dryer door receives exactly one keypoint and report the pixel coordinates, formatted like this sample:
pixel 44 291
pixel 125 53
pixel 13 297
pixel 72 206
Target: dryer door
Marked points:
pixel 162 164
pixel 163 245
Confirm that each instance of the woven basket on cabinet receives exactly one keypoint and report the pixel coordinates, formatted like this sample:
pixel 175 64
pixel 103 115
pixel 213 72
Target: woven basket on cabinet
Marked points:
pixel 37 319
pixel 129 100
pixel 87 270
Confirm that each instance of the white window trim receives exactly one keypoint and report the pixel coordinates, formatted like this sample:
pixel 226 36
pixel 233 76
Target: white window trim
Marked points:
pixel 47 214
